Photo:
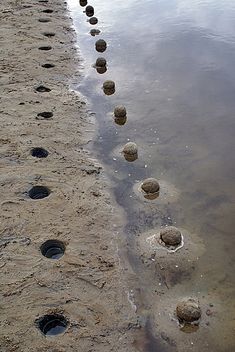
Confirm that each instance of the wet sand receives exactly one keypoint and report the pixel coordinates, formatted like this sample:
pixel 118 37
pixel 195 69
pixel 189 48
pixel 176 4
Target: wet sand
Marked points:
pixel 86 285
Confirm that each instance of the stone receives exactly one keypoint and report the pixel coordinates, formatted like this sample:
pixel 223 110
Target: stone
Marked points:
pixel 171 236
pixel 150 186
pixel 188 310
pixel 130 148
pixel 101 70
pixel 120 120
pixel 109 85
pixel 83 2
pixel 90 11
pixel 93 20
pixel 101 45
pixel 120 111
pixel 94 32
pixel 100 62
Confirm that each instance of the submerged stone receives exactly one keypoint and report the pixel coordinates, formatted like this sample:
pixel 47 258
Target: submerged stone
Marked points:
pixel 90 11
pixel 93 20
pixel 130 148
pixel 150 186
pixel 100 62
pixel 109 85
pixel 171 236
pixel 120 111
pixel 188 310
pixel 101 45
pixel 120 120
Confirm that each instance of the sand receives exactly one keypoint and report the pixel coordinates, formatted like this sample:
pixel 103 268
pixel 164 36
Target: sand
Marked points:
pixel 87 284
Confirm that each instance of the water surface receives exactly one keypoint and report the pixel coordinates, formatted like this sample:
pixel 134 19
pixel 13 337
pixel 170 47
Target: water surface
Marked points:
pixel 173 65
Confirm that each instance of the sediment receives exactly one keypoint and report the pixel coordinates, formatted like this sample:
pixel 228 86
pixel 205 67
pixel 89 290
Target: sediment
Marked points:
pixel 86 285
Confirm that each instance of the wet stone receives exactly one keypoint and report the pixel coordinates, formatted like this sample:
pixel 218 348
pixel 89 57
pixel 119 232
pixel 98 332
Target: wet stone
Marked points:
pixel 120 120
pixel 171 236
pixel 120 111
pixel 150 186
pixel 94 32
pixel 188 311
pixel 93 20
pixel 83 2
pixel 101 45
pixel 130 148
pixel 109 85
pixel 89 11
pixel 101 70
pixel 100 62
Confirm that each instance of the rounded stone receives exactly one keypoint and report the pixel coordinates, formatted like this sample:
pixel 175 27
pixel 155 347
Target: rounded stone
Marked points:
pixel 120 111
pixel 101 70
pixel 101 45
pixel 109 85
pixel 100 62
pixel 120 120
pixel 130 148
pixel 83 2
pixel 94 32
pixel 171 236
pixel 90 11
pixel 188 310
pixel 93 20
pixel 150 185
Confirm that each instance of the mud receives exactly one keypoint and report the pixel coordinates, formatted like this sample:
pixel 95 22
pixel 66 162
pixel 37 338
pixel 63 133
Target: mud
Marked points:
pixel 86 284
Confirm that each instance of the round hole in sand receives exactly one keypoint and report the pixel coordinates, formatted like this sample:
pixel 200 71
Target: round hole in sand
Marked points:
pixel 46 47
pixel 39 192
pixel 44 20
pixel 44 115
pixel 42 89
pixel 48 65
pixel 48 11
pixel 39 152
pixel 49 34
pixel 52 324
pixel 53 249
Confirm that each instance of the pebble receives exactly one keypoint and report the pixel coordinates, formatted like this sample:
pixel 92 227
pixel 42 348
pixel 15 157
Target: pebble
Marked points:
pixel 109 85
pixel 120 120
pixel 188 310
pixel 83 2
pixel 101 45
pixel 90 11
pixel 150 185
pixel 93 20
pixel 100 62
pixel 171 236
pixel 120 111
pixel 130 148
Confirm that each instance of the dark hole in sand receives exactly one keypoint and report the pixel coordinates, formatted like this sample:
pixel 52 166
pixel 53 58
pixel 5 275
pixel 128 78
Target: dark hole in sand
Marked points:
pixel 39 152
pixel 48 65
pixel 44 20
pixel 48 11
pixel 52 324
pixel 42 89
pixel 39 192
pixel 45 115
pixel 46 47
pixel 53 249
pixel 49 34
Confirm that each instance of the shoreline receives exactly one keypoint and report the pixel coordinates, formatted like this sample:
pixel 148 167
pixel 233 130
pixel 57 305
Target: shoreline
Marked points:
pixel 86 285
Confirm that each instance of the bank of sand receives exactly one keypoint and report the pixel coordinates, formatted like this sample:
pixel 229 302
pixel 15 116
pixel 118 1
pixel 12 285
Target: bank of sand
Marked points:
pixel 86 284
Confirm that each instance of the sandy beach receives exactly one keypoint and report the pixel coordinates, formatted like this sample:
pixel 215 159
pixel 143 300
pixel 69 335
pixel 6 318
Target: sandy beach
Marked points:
pixel 39 60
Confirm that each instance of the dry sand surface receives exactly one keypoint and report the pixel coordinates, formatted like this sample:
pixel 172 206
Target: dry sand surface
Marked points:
pixel 86 284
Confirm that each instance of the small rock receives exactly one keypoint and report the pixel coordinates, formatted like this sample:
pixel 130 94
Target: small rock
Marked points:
pixel 101 70
pixel 83 2
pixel 90 11
pixel 93 20
pixel 150 185
pixel 188 310
pixel 94 32
pixel 130 148
pixel 120 120
pixel 101 45
pixel 100 62
pixel 171 236
pixel 120 111
pixel 109 85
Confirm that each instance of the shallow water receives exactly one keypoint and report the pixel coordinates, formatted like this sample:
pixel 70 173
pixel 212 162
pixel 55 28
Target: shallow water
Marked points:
pixel 173 65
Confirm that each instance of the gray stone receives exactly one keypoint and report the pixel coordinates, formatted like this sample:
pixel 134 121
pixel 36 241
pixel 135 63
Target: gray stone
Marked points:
pixel 188 310
pixel 120 111
pixel 150 185
pixel 171 236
